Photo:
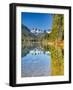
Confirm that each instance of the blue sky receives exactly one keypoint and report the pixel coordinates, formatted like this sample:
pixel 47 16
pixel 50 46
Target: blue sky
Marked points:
pixel 41 21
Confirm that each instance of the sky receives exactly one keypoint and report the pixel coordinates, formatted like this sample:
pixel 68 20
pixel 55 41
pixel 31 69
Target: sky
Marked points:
pixel 41 21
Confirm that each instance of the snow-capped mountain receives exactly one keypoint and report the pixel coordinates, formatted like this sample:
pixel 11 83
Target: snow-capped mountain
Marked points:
pixel 38 31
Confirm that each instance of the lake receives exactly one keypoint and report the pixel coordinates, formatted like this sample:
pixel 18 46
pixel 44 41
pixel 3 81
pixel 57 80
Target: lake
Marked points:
pixel 41 60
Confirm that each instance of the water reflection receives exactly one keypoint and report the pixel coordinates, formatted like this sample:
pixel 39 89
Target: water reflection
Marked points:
pixel 41 60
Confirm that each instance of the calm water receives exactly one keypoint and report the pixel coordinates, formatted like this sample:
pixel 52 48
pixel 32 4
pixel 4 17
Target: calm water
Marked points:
pixel 38 60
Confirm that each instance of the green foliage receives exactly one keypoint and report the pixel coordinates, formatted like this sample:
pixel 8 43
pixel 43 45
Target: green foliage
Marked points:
pixel 57 27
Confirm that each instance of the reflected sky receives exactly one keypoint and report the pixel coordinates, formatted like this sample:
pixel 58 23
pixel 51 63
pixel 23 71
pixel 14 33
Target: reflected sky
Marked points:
pixel 36 63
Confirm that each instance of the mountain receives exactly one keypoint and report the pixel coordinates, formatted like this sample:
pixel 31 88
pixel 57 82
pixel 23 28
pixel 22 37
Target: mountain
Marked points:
pixel 28 35
pixel 37 32
pixel 26 32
